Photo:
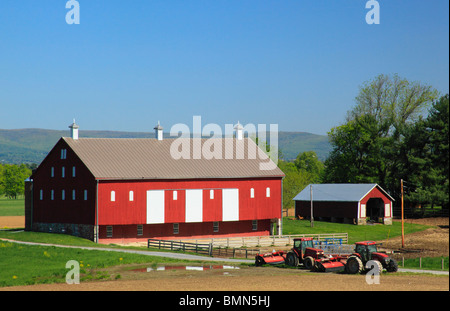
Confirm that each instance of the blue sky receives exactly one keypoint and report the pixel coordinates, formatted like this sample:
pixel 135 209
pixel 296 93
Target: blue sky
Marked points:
pixel 128 64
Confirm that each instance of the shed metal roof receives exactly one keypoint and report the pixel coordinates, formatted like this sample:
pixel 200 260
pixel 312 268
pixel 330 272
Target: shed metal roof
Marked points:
pixel 338 192
pixel 148 158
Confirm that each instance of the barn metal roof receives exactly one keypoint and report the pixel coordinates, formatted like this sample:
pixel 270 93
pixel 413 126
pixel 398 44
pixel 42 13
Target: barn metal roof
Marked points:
pixel 338 192
pixel 148 158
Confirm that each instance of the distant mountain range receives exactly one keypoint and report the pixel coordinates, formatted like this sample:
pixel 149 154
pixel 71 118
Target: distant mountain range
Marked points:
pixel 32 145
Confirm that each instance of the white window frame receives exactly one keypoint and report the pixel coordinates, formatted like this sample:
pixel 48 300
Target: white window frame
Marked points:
pixel 211 194
pixel 268 192
pixel 113 196
pixel 175 195
pixel 252 193
pixel 131 195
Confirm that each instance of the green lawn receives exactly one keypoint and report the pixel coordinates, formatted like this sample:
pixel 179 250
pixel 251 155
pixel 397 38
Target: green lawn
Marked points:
pixel 355 233
pixel 30 264
pixel 10 207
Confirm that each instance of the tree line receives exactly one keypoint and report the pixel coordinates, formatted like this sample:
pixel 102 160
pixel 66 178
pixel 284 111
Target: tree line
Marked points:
pixel 398 129
pixel 12 179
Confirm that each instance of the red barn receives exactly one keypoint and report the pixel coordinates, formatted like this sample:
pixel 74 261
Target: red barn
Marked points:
pixel 351 203
pixel 111 190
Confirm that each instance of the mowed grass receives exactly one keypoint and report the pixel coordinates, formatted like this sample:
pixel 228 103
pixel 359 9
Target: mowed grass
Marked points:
pixel 356 233
pixel 32 264
pixel 11 207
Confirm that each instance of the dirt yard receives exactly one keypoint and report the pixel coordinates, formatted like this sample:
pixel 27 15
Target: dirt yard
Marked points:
pixel 249 279
pixel 12 222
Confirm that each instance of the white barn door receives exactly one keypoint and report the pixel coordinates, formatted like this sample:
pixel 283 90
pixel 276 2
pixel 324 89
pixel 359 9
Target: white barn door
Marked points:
pixel 194 205
pixel 155 206
pixel 230 204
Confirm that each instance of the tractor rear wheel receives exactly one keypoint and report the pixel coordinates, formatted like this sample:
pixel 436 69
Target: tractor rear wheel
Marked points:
pixel 292 259
pixel 354 265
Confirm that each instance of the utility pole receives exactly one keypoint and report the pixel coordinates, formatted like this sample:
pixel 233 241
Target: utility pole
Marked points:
pixel 312 217
pixel 403 226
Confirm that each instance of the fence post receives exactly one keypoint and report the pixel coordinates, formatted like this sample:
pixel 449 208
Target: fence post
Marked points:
pixel 420 262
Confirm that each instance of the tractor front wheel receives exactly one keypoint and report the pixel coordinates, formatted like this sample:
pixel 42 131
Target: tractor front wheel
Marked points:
pixel 392 266
pixel 354 265
pixel 308 263
pixel 259 261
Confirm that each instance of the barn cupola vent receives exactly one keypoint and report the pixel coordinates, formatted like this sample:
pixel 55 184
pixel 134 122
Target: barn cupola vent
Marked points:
pixel 158 131
pixel 239 131
pixel 74 130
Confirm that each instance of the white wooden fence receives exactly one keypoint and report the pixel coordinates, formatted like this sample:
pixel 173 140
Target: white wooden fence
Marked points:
pixel 274 240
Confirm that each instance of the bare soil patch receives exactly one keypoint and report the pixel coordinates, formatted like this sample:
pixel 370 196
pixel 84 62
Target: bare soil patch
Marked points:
pixel 250 279
pixel 12 222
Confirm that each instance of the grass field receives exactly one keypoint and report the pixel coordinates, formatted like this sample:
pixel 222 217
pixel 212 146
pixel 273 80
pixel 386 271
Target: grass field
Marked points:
pixel 355 233
pixel 10 207
pixel 29 264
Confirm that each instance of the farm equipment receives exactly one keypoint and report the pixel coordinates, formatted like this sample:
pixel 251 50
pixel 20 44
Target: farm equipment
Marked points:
pixel 365 251
pixel 312 258
pixel 274 258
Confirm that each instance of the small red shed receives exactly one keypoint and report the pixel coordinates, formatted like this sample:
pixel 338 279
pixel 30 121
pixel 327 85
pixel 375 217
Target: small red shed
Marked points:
pixel 350 203
pixel 111 190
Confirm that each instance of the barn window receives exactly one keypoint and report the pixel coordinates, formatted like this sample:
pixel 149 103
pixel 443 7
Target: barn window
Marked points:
pixel 211 194
pixel 41 194
pixel 73 194
pixel 175 195
pixel 63 172
pixel 254 225
pixel 73 171
pixel 113 196
pixel 109 231
pixel 85 195
pixel 267 192
pixel 52 172
pixel 52 194
pixel 131 195
pixel 63 153
pixel 216 226
pixel 63 195
pixel 176 228
pixel 140 230
pixel 252 193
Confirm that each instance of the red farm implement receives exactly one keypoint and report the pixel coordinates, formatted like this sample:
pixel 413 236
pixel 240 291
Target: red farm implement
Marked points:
pixel 274 258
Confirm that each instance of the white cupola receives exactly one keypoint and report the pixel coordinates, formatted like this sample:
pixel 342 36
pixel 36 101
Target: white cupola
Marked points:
pixel 239 131
pixel 74 130
pixel 158 131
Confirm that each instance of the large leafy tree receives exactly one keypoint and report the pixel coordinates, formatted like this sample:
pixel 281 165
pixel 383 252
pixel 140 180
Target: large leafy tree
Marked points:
pixel 366 147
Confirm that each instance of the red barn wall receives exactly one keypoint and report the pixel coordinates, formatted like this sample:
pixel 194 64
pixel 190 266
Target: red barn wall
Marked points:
pixel 123 211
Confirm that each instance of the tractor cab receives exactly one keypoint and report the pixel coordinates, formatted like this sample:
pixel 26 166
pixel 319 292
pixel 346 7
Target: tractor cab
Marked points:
pixel 304 247
pixel 367 250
